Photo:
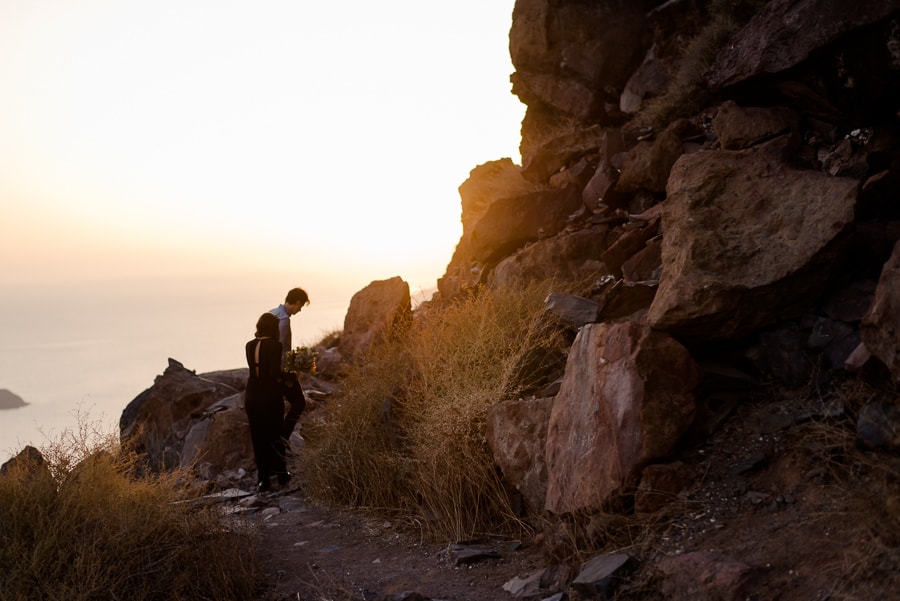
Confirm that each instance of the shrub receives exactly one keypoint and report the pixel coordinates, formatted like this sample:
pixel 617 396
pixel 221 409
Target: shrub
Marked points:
pixel 82 526
pixel 408 433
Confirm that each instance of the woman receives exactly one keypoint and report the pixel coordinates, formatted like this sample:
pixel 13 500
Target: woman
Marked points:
pixel 264 403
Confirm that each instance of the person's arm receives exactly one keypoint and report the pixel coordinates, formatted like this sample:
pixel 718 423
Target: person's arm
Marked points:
pixel 284 334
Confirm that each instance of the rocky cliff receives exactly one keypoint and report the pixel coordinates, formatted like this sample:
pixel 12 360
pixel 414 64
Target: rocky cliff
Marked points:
pixel 714 186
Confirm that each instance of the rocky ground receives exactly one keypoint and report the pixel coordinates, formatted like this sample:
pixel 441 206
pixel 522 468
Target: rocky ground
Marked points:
pixel 311 553
pixel 783 506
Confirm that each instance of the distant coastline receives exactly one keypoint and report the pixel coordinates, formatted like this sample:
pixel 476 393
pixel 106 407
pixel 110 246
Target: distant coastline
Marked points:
pixel 10 400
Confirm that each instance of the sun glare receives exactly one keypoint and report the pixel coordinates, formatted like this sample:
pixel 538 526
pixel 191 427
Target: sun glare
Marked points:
pixel 334 130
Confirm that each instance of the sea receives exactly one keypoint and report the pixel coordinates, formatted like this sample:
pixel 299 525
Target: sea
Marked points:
pixel 77 354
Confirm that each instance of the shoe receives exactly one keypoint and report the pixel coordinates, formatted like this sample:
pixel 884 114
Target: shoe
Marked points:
pixel 284 478
pixel 264 486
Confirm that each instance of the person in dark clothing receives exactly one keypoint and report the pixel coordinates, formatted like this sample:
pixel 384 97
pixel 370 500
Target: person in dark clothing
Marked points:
pixel 264 403
pixel 294 301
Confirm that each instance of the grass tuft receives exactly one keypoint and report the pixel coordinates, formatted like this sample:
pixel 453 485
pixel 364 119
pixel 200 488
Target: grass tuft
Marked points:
pixel 407 435
pixel 82 526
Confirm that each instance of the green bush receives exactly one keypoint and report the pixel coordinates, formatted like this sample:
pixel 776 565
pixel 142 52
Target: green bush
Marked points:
pixel 81 526
pixel 407 435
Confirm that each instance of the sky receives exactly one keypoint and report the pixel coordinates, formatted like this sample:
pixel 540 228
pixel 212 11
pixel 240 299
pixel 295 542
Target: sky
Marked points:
pixel 328 139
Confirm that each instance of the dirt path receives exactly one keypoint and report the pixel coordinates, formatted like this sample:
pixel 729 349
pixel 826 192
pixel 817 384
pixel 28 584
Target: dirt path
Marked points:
pixel 311 553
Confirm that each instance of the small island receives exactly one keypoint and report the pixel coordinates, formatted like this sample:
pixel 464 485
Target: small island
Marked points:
pixel 10 400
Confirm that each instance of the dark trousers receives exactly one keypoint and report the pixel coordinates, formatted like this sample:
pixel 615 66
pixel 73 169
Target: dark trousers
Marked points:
pixel 297 402
pixel 266 419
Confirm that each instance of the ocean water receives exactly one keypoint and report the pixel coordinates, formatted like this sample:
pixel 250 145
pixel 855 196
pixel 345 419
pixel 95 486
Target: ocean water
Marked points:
pixel 80 354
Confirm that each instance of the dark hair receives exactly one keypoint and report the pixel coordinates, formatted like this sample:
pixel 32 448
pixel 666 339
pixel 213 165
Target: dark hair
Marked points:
pixel 267 326
pixel 297 296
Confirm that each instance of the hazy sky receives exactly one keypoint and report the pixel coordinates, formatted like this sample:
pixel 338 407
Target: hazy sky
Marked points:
pixel 178 136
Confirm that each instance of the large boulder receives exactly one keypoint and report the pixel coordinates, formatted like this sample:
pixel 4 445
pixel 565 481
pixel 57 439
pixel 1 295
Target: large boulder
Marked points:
pixel 517 435
pixel 375 312
pixel 157 420
pixel 626 399
pixel 220 438
pixel 739 127
pixel 787 32
pixel 512 222
pixel 565 258
pixel 646 166
pixel 576 57
pixel 747 240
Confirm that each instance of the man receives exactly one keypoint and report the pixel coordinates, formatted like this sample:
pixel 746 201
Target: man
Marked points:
pixel 295 300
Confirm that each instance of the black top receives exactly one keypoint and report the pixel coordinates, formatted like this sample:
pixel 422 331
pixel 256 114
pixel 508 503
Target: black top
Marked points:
pixel 265 367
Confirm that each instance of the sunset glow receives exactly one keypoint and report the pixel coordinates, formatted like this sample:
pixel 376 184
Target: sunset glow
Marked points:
pixel 197 136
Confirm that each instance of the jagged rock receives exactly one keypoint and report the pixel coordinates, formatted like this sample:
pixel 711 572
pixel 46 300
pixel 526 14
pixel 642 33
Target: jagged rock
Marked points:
pixel 746 240
pixel 571 309
pixel 556 153
pixel 625 401
pixel 857 359
pixel 29 460
pixel 834 340
pixel 576 57
pixel 516 431
pixel 624 299
pixel 647 165
pixel 540 583
pixel 633 238
pixel 462 554
pixel 564 258
pixel 528 588
pixel 880 327
pixel 600 576
pixel 601 187
pixel 646 264
pixel 488 183
pixel 787 32
pixel 705 576
pixel 328 362
pixel 740 127
pixel 157 420
pixel 649 80
pixel 509 224
pixel 878 426
pixel 375 313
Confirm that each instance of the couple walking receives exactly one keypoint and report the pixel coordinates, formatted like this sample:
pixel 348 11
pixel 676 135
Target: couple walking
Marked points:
pixel 270 428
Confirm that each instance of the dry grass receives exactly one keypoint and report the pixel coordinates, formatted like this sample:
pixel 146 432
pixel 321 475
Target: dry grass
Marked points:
pixel 862 489
pixel 685 94
pixel 82 526
pixel 407 435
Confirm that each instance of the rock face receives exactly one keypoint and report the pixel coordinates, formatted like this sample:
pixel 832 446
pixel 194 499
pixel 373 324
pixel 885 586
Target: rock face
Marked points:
pixel 747 241
pixel 374 313
pixel 625 400
pixel 751 208
pixel 713 187
pixel 880 328
pixel 156 422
